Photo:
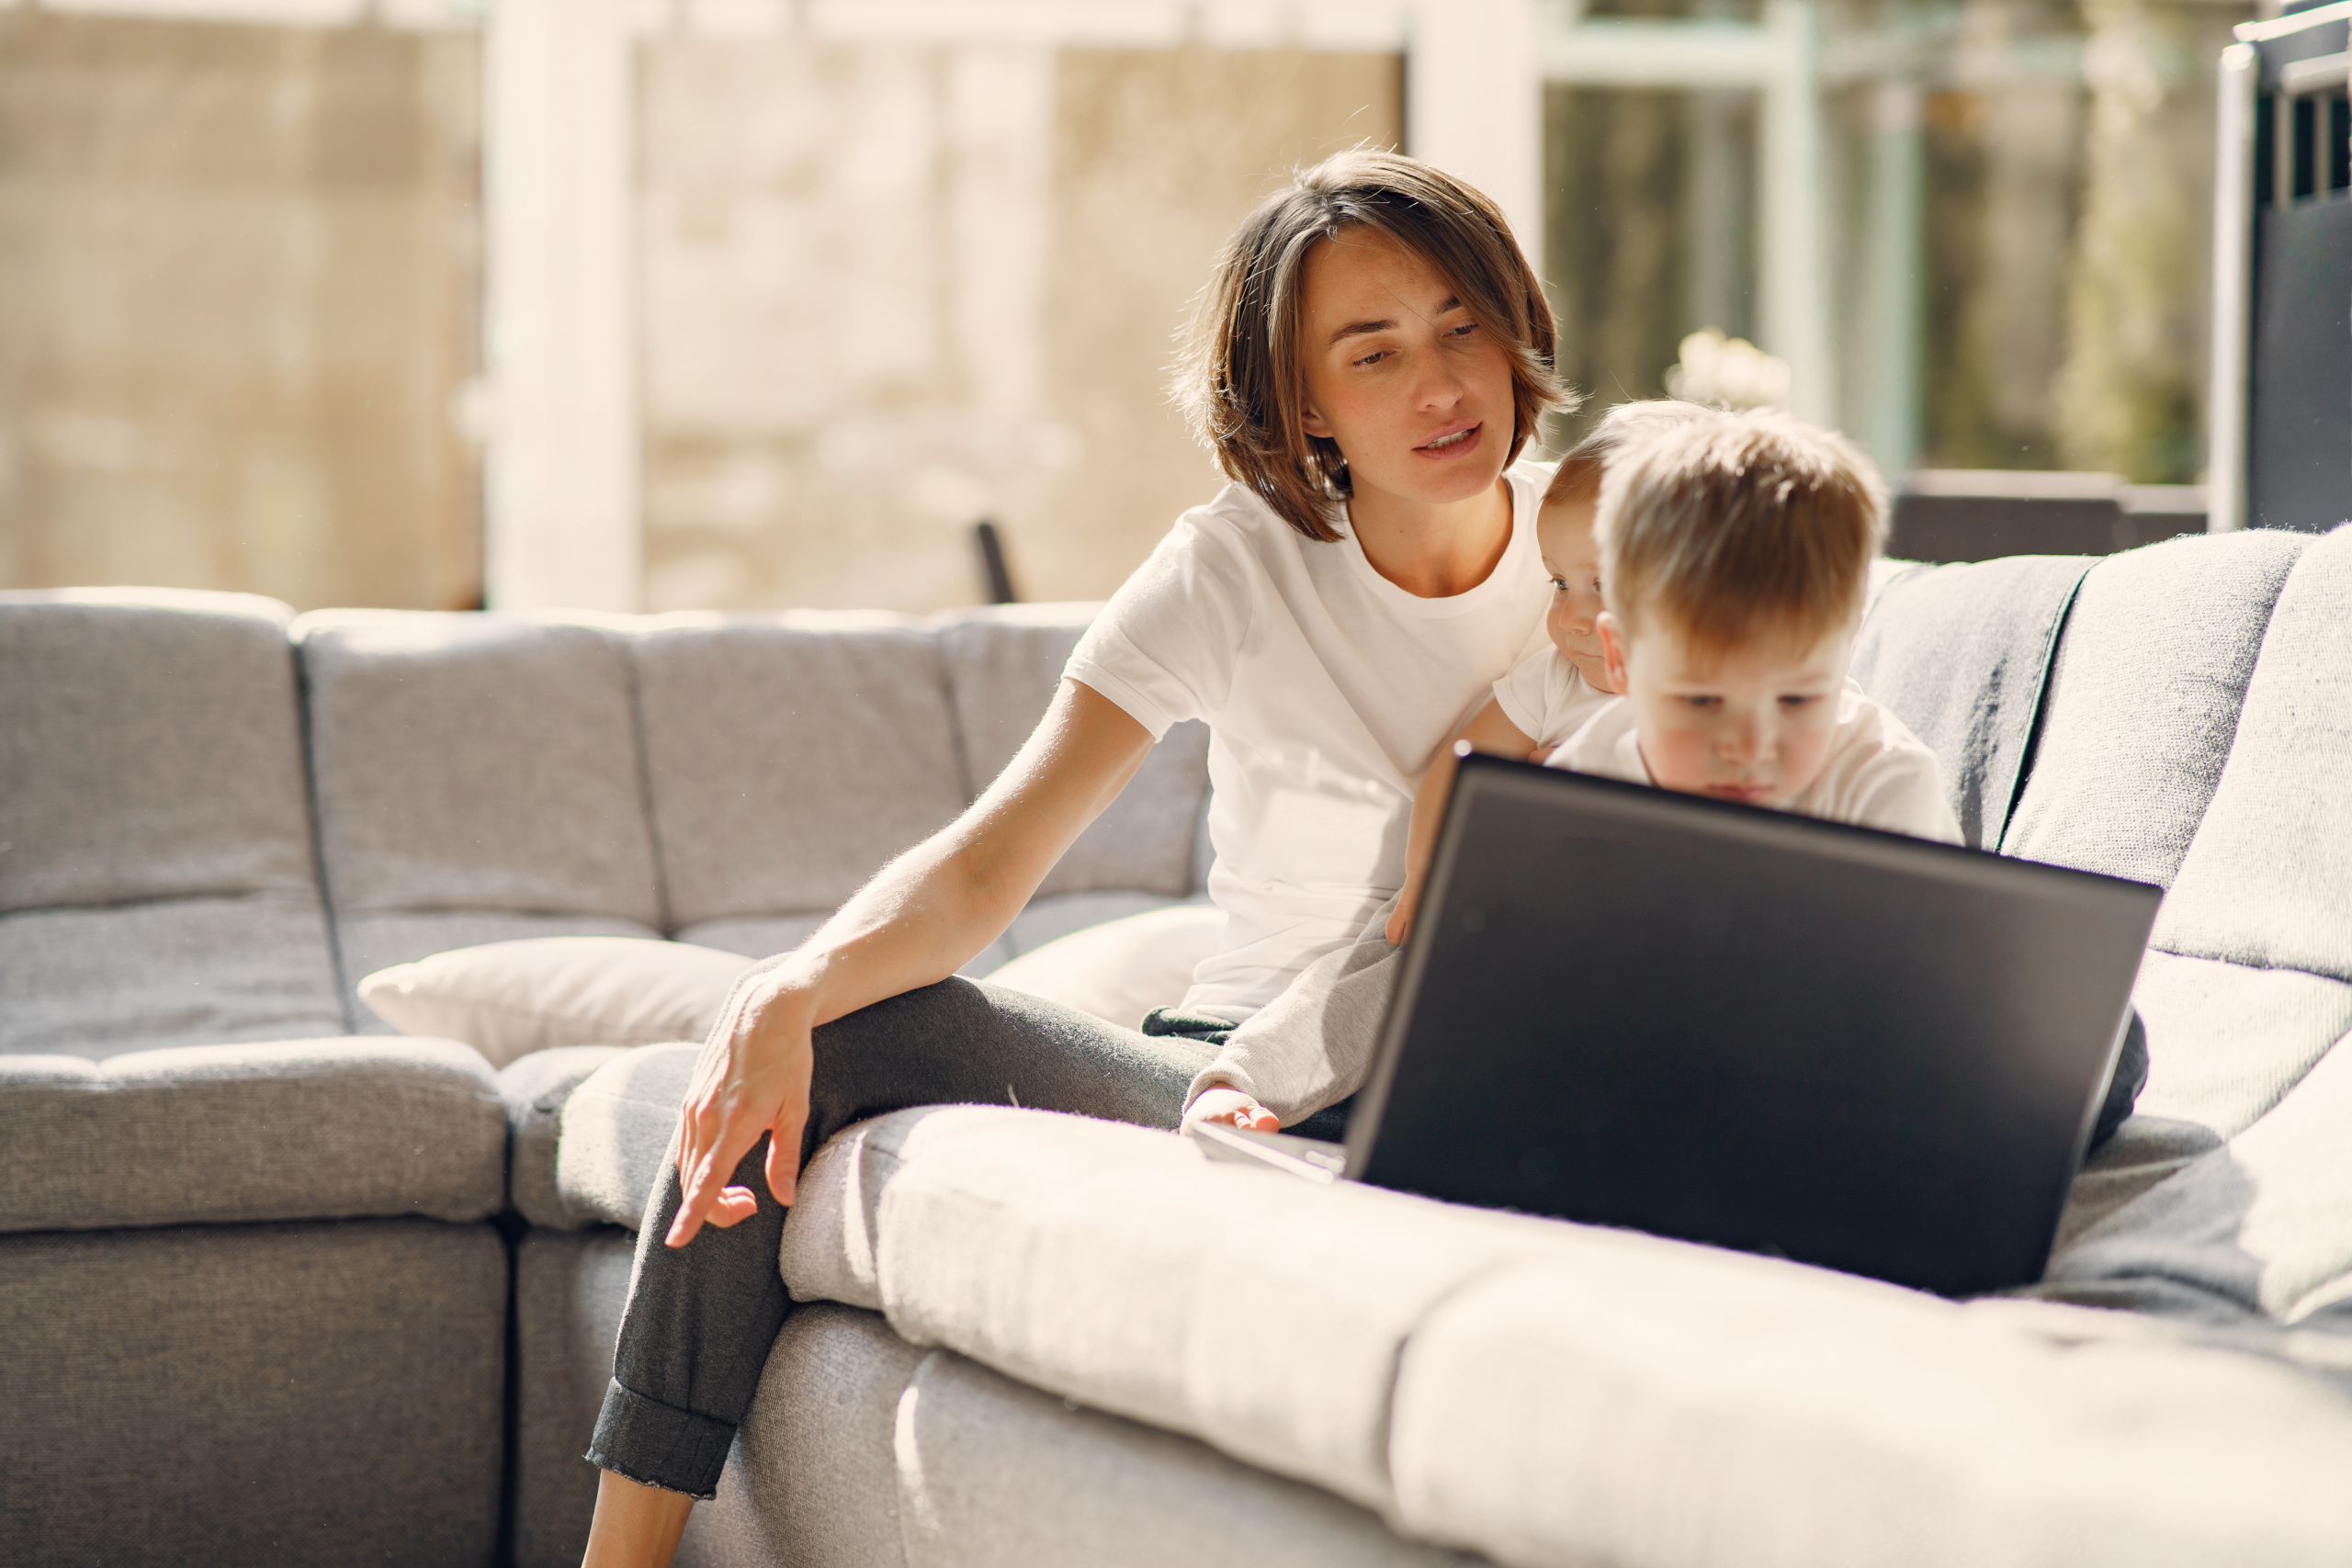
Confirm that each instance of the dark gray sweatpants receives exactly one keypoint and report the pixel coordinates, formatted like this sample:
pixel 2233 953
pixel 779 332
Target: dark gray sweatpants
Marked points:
pixel 701 1318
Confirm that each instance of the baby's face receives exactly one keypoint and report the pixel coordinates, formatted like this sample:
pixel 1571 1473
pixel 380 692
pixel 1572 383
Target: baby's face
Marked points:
pixel 1751 725
pixel 1565 533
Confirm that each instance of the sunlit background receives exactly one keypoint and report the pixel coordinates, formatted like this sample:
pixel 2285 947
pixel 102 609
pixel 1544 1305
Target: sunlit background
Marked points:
pixel 669 304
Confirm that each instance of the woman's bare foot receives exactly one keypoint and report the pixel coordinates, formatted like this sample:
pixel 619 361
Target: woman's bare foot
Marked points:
pixel 635 1526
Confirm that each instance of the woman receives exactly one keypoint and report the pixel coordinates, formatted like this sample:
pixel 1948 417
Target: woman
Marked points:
pixel 1368 361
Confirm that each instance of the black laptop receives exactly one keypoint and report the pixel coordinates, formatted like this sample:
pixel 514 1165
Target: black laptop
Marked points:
pixel 1629 1007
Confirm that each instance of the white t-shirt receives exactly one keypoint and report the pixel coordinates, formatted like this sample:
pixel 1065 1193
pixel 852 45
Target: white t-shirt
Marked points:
pixel 1878 775
pixel 1549 697
pixel 1326 688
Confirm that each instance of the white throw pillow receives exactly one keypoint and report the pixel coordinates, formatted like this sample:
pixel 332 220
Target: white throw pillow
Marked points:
pixel 1120 970
pixel 509 998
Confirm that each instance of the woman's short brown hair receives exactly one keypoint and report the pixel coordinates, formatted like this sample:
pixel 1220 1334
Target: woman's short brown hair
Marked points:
pixel 1241 383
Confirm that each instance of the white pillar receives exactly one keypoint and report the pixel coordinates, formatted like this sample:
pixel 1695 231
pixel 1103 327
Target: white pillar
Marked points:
pixel 2227 409
pixel 1894 258
pixel 1474 103
pixel 1793 264
pixel 561 516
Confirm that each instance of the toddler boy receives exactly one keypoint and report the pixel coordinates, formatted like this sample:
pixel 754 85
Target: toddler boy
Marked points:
pixel 1734 560
pixel 1548 695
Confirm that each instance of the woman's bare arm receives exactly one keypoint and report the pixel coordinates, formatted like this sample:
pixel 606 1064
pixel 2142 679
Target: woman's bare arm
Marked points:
pixel 925 915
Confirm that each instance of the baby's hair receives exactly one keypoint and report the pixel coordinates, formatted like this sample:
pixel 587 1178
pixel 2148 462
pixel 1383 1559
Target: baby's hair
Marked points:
pixel 1740 524
pixel 1577 478
pixel 1241 381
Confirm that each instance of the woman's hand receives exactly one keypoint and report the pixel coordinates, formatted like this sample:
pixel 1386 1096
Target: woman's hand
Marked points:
pixel 753 1077
pixel 1230 1107
pixel 921 917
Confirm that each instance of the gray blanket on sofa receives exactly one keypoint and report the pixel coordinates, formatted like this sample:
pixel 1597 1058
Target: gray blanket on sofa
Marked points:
pixel 1962 654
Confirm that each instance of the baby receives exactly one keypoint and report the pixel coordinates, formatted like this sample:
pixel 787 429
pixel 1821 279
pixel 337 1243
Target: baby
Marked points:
pixel 1734 557
pixel 1548 695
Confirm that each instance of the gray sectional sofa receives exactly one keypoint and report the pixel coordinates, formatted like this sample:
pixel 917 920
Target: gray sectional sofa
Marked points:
pixel 256 1276
pixel 260 1279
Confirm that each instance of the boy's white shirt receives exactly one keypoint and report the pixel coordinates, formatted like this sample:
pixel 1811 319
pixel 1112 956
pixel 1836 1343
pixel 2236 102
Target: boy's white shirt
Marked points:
pixel 1877 773
pixel 1547 697
pixel 1313 1045
pixel 1326 688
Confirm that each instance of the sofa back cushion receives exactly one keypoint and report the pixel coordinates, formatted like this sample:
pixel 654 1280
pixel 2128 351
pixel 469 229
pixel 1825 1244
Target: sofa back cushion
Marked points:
pixel 158 884
pixel 2246 993
pixel 478 780
pixel 1004 666
pixel 2142 702
pixel 786 757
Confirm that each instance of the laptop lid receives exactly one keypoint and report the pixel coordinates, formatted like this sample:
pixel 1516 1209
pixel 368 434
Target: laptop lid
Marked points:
pixel 1629 1007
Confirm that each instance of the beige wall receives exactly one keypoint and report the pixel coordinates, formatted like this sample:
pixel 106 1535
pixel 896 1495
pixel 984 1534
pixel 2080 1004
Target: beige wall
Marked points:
pixel 890 290
pixel 239 303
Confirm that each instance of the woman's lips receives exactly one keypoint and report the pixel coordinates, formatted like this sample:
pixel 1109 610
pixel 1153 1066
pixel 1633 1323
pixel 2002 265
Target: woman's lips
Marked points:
pixel 1452 444
pixel 1747 795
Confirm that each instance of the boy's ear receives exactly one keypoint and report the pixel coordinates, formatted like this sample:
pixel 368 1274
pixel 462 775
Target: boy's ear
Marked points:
pixel 1612 648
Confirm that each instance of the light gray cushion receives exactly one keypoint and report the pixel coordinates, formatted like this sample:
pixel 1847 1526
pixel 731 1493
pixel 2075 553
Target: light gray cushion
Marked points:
pixel 535 1089
pixel 570 1288
pixel 1115 1266
pixel 1004 666
pixel 369 942
pixel 507 1000
pixel 758 936
pixel 2226 1042
pixel 1121 970
pixel 614 1131
pixel 1961 654
pixel 1677 1406
pixel 476 762
pixel 789 756
pixel 157 884
pixel 308 1393
pixel 862 1451
pixel 2144 700
pixel 1050 916
pixel 1546 1392
pixel 2267 881
pixel 2247 995
pixel 764 936
pixel 211 1134
pixel 149 748
pixel 97 982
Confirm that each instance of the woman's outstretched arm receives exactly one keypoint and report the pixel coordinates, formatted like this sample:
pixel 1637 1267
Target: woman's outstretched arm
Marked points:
pixel 924 916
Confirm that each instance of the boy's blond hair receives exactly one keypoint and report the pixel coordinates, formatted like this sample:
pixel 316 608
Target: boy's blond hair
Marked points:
pixel 1577 478
pixel 1738 525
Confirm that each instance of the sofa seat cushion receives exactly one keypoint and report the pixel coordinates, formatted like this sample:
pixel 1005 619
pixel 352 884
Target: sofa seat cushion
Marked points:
pixel 1542 1392
pixel 1658 1409
pixel 211 1135
pixel 97 982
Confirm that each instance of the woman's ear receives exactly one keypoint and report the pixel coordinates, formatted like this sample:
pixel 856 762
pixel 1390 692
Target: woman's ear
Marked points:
pixel 1613 648
pixel 1313 422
